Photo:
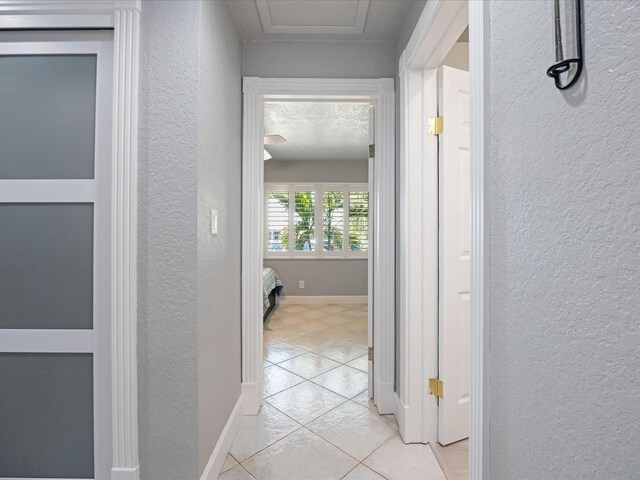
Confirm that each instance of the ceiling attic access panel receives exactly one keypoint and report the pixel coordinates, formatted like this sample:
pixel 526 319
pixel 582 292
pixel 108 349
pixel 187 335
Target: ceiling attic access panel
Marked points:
pixel 328 16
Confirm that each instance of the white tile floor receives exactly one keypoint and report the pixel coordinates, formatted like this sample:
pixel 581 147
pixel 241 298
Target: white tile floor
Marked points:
pixel 317 421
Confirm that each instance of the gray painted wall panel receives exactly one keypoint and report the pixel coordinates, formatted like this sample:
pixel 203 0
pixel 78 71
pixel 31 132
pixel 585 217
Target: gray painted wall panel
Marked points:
pixel 322 277
pixel 319 59
pixel 310 171
pixel 565 249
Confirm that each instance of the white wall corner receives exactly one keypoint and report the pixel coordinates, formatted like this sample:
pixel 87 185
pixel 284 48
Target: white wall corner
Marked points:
pixel 219 454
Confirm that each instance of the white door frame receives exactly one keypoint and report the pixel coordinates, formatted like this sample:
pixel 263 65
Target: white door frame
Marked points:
pixel 383 196
pixel 123 16
pixel 436 31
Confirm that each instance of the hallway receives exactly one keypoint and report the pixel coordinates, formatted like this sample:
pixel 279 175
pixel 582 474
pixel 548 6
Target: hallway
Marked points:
pixel 317 421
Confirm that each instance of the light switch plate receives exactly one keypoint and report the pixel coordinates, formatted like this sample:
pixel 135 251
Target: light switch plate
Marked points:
pixel 214 222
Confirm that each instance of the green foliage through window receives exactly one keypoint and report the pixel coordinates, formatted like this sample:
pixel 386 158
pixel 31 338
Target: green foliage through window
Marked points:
pixel 343 208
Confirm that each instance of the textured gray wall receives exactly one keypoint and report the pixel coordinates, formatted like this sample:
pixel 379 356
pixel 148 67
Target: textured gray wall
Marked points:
pixel 310 171
pixel 167 277
pixel 565 248
pixel 322 277
pixel 319 59
pixel 219 187
pixel 189 161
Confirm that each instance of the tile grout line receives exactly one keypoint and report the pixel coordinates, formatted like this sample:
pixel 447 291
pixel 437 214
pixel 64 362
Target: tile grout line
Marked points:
pixel 315 418
pixel 272 444
pixel 345 399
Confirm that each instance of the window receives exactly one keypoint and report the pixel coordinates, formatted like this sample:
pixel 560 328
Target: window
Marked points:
pixel 327 221
pixel 278 225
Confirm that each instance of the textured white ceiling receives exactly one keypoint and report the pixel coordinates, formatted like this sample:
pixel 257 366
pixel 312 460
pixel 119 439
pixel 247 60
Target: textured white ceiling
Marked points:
pixel 383 20
pixel 318 130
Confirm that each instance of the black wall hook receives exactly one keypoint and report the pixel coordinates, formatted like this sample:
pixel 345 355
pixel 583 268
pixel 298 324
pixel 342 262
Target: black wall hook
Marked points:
pixel 563 65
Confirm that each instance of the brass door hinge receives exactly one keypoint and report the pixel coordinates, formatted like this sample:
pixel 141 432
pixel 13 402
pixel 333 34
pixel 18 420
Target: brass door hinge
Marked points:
pixel 436 387
pixel 371 354
pixel 435 125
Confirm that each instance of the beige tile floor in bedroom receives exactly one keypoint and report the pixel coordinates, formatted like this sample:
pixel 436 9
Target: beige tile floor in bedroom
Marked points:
pixel 317 421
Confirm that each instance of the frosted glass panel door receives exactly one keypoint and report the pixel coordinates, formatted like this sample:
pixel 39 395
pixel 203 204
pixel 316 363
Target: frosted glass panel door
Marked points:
pixel 55 196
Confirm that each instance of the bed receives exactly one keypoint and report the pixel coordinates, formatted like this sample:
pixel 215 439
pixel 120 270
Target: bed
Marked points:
pixel 271 287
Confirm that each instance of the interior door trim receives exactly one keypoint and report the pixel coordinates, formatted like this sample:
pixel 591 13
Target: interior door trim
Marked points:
pixel 123 16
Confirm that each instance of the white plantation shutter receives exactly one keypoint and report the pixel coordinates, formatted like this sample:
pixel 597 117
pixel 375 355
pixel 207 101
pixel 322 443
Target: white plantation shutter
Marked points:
pixel 333 221
pixel 277 220
pixel 359 221
pixel 304 221
pixel 328 220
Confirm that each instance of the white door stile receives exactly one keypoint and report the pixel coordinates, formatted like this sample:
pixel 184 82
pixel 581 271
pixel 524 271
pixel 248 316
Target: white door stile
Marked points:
pixel 102 261
pixel 454 254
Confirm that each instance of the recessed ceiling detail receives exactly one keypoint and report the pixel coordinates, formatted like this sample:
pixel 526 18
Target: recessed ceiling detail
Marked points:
pixel 326 17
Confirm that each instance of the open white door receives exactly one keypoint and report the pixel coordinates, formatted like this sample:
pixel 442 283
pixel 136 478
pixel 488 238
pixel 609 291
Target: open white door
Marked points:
pixel 454 246
pixel 372 141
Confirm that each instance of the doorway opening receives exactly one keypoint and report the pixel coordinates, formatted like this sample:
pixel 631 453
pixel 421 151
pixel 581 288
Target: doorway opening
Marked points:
pixel 336 267
pixel 444 255
pixel 317 275
pixel 304 442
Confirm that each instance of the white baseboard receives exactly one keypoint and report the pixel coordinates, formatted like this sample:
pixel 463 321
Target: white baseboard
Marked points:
pixel 317 299
pixel 409 431
pixel 252 398
pixel 384 397
pixel 129 473
pixel 219 454
pixel 401 417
